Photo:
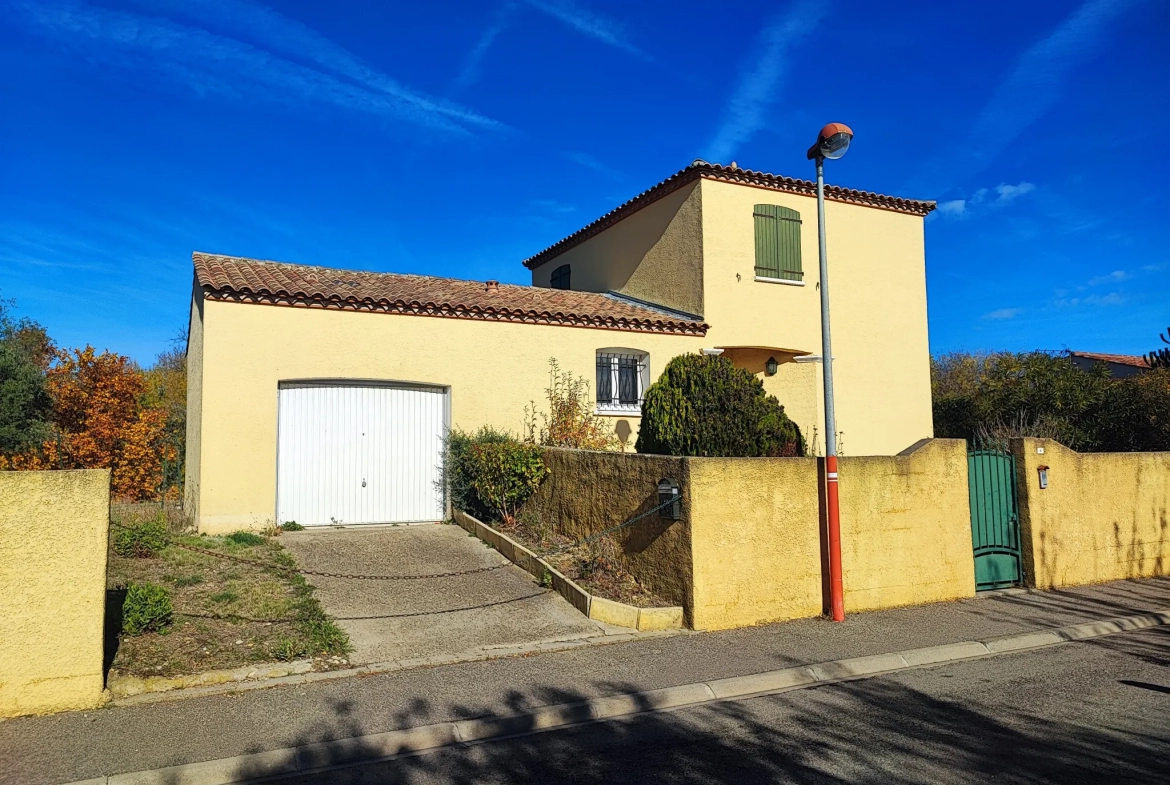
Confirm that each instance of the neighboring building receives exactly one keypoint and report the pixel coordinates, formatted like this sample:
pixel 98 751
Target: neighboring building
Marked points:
pixel 1120 365
pixel 332 404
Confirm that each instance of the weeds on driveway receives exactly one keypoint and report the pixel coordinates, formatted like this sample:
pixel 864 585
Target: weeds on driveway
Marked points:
pixel 226 614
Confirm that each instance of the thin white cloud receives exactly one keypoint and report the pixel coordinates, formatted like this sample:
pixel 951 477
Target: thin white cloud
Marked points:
pixel 470 72
pixel 759 83
pixel 1007 193
pixel 589 162
pixel 985 199
pixel 1113 277
pixel 1037 80
pixel 1003 313
pixel 208 62
pixel 588 23
pixel 1113 298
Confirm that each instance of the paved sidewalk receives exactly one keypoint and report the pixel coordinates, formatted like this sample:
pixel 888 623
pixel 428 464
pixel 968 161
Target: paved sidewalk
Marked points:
pixel 132 738
pixel 379 615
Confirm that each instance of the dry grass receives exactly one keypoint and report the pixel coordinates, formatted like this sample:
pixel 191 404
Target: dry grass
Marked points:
pixel 227 614
pixel 595 566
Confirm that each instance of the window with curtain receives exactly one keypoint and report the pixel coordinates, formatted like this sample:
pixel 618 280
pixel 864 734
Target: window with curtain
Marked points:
pixel 622 378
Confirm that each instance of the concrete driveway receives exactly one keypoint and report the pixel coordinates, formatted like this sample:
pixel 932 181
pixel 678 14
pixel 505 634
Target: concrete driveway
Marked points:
pixel 407 619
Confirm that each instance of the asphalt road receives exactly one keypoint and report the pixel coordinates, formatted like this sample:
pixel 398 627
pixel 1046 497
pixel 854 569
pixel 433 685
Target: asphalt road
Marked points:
pixel 1095 712
pixel 79 745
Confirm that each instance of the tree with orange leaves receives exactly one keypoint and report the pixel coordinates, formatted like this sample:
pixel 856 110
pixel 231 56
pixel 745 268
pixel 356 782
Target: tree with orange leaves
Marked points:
pixel 101 421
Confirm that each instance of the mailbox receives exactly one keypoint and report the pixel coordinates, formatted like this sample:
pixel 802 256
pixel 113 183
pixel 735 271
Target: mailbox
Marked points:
pixel 669 500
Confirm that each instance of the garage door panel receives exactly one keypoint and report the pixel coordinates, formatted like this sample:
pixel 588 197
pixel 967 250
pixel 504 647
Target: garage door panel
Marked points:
pixel 332 438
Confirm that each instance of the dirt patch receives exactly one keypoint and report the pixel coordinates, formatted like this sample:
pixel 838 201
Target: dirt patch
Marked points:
pixel 595 566
pixel 227 613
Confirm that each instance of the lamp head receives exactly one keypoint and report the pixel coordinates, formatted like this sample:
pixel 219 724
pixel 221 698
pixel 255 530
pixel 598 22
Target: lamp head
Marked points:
pixel 832 142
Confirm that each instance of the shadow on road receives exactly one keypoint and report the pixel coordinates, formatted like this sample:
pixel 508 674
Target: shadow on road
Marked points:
pixel 874 731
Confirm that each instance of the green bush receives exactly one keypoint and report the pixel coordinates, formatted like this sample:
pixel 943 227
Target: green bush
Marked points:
pixel 291 526
pixel 1135 413
pixel 457 472
pixel 147 607
pixel 141 540
pixel 504 475
pixel 245 538
pixel 704 405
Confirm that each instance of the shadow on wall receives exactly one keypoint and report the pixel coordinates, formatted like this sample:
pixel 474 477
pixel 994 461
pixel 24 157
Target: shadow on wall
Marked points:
pixel 112 630
pixel 862 732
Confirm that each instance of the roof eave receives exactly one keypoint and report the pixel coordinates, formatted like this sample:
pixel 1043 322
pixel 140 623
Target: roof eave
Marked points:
pixel 721 173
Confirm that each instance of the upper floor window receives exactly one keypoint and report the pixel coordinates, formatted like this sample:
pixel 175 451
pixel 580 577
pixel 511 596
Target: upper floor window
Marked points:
pixel 622 378
pixel 560 277
pixel 777 243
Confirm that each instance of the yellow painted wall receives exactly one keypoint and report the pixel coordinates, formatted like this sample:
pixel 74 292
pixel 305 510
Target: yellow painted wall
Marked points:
pixel 755 540
pixel 493 369
pixel 194 408
pixel 877 264
pixel 53 539
pixel 750 537
pixel 1103 517
pixel 654 254
pixel 906 527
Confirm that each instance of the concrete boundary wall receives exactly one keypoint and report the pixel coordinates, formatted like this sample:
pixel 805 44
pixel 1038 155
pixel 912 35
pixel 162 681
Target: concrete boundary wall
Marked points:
pixel 1103 516
pixel 748 549
pixel 54 529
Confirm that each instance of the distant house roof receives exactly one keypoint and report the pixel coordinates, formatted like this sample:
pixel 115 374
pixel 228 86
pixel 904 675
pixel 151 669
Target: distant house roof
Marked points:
pixel 703 170
pixel 235 279
pixel 1120 359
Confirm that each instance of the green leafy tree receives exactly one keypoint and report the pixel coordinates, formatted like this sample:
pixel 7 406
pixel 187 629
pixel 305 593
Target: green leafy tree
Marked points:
pixel 25 405
pixel 1135 414
pixel 705 406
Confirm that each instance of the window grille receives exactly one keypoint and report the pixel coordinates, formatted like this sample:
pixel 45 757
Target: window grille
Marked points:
pixel 621 381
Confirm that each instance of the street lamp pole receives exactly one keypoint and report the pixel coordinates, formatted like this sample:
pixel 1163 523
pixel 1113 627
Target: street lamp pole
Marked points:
pixel 832 142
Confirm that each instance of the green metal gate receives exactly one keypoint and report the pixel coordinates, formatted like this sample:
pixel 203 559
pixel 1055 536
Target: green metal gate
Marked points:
pixel 995 518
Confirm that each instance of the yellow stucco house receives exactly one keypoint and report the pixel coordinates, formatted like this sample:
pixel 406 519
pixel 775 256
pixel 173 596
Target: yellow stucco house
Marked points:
pixel 322 395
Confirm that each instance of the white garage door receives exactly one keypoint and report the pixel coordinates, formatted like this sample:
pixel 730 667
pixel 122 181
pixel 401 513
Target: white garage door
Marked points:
pixel 359 453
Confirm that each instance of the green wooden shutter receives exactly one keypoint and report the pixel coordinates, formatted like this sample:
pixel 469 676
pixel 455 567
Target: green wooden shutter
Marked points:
pixel 777 242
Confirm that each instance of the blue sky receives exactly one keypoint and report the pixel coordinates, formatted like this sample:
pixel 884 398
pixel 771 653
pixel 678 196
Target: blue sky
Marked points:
pixel 457 139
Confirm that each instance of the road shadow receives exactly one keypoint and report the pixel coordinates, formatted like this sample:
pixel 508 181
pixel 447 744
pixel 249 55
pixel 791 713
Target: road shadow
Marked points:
pixel 866 732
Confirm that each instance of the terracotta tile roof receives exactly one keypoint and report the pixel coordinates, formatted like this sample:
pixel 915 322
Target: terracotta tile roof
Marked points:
pixel 1120 359
pixel 235 279
pixel 703 170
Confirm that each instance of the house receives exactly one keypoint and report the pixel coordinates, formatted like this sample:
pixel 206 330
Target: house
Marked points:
pixel 322 395
pixel 1120 365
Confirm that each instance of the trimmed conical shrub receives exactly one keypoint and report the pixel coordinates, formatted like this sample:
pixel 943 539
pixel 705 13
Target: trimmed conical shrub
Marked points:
pixel 705 406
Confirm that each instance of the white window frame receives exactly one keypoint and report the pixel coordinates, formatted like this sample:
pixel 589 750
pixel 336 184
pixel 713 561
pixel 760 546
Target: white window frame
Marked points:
pixel 614 355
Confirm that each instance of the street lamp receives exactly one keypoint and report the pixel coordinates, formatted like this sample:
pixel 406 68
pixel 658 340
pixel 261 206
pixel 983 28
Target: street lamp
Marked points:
pixel 832 142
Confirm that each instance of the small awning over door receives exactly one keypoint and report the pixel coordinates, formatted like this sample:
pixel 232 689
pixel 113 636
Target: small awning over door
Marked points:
pixel 352 453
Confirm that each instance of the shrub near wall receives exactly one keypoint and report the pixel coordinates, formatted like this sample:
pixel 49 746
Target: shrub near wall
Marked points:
pixel 705 406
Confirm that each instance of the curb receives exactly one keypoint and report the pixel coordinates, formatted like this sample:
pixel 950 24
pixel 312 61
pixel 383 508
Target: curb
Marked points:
pixel 323 756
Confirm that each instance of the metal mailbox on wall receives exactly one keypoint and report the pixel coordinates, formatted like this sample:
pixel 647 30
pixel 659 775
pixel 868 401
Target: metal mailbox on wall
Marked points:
pixel 669 500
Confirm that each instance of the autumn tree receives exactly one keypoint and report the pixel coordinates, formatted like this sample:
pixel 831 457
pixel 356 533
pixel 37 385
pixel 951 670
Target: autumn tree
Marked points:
pixel 101 420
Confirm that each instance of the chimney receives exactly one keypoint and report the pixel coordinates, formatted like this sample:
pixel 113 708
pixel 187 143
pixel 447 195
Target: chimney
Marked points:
pixel 492 286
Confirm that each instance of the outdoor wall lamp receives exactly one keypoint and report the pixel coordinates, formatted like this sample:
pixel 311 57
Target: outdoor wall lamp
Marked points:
pixel 771 366
pixel 669 500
